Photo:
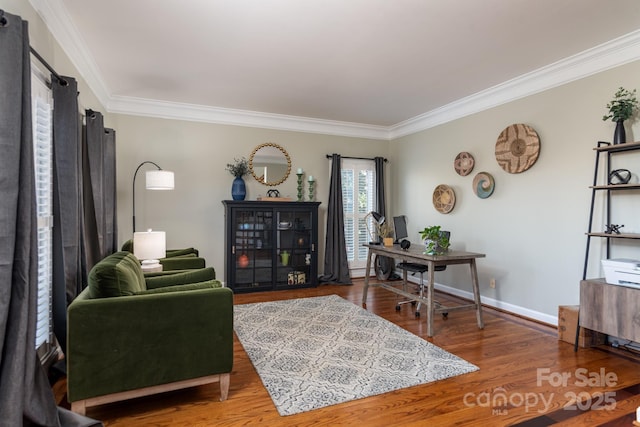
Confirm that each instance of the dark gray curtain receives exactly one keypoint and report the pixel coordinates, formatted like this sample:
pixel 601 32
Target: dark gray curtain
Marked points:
pixel 25 395
pixel 67 202
pixel 99 232
pixel 336 266
pixel 380 198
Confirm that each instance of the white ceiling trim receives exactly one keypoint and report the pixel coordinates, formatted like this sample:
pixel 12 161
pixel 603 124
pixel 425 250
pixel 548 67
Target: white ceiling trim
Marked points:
pixel 608 55
pixel 227 116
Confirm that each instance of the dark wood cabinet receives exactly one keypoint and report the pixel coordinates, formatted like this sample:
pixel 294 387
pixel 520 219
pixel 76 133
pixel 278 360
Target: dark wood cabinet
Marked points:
pixel 270 245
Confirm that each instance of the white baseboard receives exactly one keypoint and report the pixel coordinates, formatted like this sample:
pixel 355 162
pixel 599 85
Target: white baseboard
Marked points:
pixel 491 302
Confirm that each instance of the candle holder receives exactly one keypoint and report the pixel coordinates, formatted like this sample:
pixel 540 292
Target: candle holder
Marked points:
pixel 300 187
pixel 311 188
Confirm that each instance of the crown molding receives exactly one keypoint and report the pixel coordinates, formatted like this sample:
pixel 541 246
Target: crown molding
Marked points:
pixel 608 55
pixel 614 53
pixel 227 116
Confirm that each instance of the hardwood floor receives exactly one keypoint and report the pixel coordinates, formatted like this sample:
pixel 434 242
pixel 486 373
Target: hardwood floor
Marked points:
pixel 526 378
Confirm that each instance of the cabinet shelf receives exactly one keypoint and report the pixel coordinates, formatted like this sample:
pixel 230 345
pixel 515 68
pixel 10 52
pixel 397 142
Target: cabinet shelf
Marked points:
pixel 607 147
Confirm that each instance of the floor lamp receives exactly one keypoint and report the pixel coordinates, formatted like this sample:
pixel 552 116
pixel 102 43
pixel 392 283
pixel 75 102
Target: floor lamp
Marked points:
pixel 155 180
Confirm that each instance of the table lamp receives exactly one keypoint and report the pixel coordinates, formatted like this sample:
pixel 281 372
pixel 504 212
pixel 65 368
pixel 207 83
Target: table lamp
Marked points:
pixel 148 246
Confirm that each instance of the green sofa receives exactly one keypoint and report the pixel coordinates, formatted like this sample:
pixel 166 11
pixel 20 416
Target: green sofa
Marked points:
pixel 176 259
pixel 129 335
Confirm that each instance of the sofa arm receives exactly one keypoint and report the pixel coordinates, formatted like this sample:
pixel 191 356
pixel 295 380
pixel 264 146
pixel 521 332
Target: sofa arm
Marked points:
pixel 125 343
pixel 180 278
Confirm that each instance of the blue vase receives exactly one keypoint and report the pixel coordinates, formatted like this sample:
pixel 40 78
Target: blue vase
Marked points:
pixel 238 189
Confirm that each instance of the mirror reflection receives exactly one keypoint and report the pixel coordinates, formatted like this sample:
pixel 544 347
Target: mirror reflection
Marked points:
pixel 270 164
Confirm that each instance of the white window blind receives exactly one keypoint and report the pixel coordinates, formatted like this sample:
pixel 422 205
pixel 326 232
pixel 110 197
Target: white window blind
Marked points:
pixel 43 162
pixel 358 199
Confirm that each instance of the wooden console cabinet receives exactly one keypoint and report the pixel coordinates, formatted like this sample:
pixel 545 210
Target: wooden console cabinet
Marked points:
pixel 270 245
pixel 610 309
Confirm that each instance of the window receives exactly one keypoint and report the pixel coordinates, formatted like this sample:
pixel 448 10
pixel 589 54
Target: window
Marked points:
pixel 358 199
pixel 42 143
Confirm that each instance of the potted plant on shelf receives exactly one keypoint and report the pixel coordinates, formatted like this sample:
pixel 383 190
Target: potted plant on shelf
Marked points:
pixel 239 168
pixel 621 108
pixel 385 232
pixel 436 241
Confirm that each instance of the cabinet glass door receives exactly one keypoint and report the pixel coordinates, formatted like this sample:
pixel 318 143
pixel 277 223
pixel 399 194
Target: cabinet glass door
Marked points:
pixel 294 248
pixel 252 249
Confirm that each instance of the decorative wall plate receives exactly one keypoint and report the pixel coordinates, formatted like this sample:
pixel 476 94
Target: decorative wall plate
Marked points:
pixel 517 148
pixel 463 164
pixel 483 185
pixel 444 199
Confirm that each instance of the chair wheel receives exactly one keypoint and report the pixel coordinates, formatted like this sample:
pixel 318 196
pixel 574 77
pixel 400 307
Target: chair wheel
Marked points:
pixel 417 314
pixel 445 315
pixel 397 307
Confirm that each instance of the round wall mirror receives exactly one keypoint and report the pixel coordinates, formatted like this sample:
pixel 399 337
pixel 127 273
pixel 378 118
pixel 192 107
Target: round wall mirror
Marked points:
pixel 270 164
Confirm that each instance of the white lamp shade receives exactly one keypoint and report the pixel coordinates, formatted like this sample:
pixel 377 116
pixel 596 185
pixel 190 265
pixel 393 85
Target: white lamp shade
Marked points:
pixel 149 244
pixel 159 180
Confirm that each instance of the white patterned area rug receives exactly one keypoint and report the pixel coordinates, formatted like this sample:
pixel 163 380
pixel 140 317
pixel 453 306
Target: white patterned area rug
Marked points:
pixel 320 351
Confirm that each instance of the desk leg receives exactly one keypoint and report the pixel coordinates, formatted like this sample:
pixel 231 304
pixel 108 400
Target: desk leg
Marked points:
pixel 476 293
pixel 430 303
pixel 366 277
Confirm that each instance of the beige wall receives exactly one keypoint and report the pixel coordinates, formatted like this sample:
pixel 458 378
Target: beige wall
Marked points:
pixel 532 228
pixel 193 214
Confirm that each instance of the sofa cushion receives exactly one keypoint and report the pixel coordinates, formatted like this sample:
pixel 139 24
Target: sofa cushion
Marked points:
pixel 117 275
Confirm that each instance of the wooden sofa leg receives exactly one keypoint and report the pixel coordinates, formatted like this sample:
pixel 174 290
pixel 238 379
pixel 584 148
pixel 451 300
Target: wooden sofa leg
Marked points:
pixel 224 386
pixel 79 407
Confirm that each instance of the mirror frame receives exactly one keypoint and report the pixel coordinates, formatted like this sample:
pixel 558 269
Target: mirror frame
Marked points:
pixel 257 178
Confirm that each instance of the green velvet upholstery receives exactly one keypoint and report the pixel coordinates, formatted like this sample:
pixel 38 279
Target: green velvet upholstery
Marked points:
pixel 117 275
pixel 176 259
pixel 179 329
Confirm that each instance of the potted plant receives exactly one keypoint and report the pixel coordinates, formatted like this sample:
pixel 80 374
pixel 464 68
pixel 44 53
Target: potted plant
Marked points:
pixel 621 108
pixel 435 240
pixel 385 231
pixel 239 168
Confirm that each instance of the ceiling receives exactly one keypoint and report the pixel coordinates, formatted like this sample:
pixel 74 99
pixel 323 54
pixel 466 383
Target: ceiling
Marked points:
pixel 367 65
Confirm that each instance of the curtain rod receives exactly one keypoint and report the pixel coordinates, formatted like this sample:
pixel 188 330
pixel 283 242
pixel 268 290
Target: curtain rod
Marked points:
pixel 62 81
pixel 357 158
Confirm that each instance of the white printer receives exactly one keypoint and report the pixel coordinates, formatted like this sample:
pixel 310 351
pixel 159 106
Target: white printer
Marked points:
pixel 622 271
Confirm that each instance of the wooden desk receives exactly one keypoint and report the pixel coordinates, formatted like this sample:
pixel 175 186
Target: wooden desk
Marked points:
pixel 415 254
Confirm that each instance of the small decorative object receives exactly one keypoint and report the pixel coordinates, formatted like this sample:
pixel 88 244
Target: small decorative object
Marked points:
pixel 273 193
pixel 517 148
pixel 463 164
pixel 239 168
pixel 613 229
pixel 243 261
pixel 621 108
pixel 307 259
pixel 284 257
pixel 296 278
pixel 312 182
pixel 483 185
pixel 444 199
pixel 405 244
pixel 619 176
pixel 435 240
pixel 300 174
pixel 385 231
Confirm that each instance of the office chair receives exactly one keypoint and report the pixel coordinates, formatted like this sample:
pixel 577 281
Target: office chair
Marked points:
pixel 415 268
